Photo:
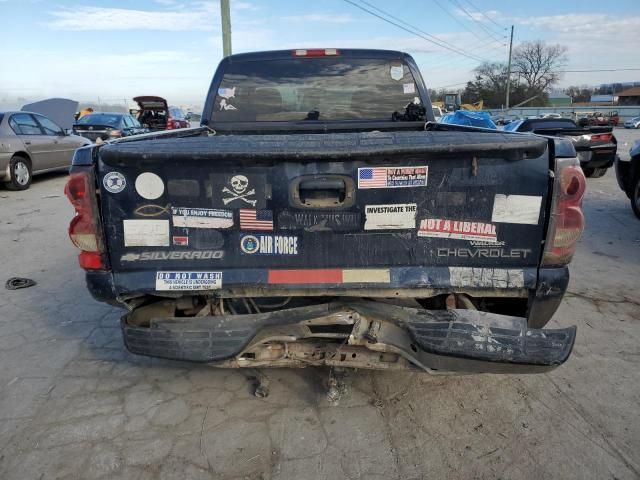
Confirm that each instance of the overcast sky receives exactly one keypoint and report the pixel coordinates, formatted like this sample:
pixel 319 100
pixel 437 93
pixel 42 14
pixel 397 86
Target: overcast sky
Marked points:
pixel 116 50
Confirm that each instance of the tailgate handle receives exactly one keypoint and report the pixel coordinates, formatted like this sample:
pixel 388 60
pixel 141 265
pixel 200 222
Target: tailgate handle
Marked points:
pixel 322 191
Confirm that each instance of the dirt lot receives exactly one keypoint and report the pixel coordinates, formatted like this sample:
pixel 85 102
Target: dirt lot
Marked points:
pixel 74 404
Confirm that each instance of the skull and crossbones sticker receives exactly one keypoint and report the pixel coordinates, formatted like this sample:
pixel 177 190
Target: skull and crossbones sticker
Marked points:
pixel 239 191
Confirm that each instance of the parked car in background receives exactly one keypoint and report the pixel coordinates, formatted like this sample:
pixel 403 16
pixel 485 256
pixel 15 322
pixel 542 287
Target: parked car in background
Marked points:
pixel 156 114
pixel 103 126
pixel 596 146
pixel 470 119
pixel 30 144
pixel 193 117
pixel 437 113
pixel 633 123
pixel 551 115
pixel 628 176
pixel 599 119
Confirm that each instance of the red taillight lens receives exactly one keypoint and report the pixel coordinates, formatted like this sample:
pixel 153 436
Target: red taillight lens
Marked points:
pixel 601 137
pixel 170 124
pixel 567 221
pixel 83 230
pixel 316 52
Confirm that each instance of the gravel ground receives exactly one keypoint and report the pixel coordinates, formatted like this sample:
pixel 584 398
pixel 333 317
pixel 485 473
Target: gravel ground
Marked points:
pixel 75 404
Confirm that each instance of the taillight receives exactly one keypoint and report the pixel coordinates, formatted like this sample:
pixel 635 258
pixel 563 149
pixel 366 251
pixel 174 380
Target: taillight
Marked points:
pixel 567 221
pixel 601 137
pixel 84 229
pixel 115 133
pixel 316 52
pixel 170 124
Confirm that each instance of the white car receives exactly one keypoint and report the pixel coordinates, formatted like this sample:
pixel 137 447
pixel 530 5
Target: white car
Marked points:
pixel 437 113
pixel 633 123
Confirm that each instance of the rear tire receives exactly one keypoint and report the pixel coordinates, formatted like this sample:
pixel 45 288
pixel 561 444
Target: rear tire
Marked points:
pixel 635 196
pixel 20 171
pixel 594 172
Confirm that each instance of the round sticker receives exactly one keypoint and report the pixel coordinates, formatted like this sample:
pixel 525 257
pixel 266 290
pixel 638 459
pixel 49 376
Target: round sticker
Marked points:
pixel 249 244
pixel 149 186
pixel 114 182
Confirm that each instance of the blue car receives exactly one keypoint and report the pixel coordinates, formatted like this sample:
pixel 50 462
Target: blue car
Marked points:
pixel 470 119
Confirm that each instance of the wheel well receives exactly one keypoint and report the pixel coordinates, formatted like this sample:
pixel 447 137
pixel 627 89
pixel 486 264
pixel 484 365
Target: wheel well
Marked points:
pixel 24 155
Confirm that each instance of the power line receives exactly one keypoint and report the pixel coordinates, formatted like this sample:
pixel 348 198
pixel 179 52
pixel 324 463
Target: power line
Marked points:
pixel 450 85
pixel 501 27
pixel 601 70
pixel 460 23
pixel 417 29
pixel 486 30
pixel 459 52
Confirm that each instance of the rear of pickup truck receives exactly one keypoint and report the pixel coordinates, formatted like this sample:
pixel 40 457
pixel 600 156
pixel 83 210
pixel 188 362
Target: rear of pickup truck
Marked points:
pixel 441 249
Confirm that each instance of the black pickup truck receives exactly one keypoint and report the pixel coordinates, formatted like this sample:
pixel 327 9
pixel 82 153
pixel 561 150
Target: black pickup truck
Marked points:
pixel 596 147
pixel 319 217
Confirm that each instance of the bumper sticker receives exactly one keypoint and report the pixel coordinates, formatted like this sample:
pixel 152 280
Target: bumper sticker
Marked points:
pixel 149 186
pixel 390 217
pixel 523 209
pixel 188 281
pixel 256 219
pixel 486 277
pixel 201 218
pixel 146 233
pixel 319 221
pixel 460 230
pixel 269 244
pixel 329 276
pixel 392 177
pixel 114 182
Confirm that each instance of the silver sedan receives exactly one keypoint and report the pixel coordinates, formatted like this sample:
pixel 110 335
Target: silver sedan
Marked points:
pixel 31 143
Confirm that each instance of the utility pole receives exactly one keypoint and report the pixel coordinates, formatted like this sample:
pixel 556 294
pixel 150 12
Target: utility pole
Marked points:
pixel 509 69
pixel 226 27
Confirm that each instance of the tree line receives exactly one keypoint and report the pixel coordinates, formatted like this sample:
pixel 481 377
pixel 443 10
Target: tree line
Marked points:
pixel 535 69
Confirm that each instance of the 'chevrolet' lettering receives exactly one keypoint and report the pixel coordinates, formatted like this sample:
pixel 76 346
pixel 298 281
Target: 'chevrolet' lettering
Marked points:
pixel 484 252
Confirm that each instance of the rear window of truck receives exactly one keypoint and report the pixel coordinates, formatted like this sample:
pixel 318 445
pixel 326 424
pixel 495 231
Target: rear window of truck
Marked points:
pixel 331 88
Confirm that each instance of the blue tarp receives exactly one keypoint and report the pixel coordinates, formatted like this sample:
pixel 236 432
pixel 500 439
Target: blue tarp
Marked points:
pixel 470 119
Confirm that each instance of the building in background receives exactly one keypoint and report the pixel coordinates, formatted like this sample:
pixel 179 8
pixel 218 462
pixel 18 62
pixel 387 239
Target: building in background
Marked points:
pixel 559 99
pixel 630 96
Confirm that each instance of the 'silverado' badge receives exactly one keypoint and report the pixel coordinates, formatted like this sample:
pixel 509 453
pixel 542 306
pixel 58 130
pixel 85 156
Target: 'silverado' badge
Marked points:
pixel 114 182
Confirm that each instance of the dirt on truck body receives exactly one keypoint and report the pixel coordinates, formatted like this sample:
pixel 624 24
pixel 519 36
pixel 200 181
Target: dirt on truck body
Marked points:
pixel 318 217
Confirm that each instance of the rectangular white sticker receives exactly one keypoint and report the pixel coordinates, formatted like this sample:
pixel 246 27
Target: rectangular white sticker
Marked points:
pixel 390 217
pixel 457 229
pixel 202 218
pixel 146 233
pixel 523 209
pixel 188 280
pixel 486 277
pixel 408 88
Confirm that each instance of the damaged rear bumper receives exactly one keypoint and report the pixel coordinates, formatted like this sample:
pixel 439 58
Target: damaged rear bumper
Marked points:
pixel 358 334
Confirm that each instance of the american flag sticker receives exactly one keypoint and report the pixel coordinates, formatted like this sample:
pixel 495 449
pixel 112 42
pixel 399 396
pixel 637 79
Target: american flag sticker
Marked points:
pixel 251 219
pixel 392 177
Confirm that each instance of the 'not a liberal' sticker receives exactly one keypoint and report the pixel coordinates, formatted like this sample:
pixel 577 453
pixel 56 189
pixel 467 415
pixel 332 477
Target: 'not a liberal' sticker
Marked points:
pixel 114 182
pixel 269 244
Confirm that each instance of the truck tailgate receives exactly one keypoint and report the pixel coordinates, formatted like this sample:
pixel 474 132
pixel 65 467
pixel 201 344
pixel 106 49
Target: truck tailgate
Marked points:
pixel 398 210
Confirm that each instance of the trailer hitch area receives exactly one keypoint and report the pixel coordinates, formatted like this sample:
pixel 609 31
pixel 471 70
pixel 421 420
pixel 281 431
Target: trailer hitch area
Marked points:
pixel 357 334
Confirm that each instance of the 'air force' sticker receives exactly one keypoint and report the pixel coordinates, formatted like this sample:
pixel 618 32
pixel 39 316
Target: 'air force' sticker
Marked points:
pixel 114 182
